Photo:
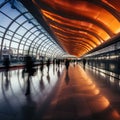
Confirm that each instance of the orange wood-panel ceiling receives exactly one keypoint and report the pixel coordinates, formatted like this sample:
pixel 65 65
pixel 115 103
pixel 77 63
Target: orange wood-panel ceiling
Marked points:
pixel 81 25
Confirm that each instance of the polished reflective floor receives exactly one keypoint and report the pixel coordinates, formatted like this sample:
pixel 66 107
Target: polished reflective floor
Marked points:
pixel 58 94
pixel 14 104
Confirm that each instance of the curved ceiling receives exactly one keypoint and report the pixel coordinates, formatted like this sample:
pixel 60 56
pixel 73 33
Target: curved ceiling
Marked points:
pixel 81 25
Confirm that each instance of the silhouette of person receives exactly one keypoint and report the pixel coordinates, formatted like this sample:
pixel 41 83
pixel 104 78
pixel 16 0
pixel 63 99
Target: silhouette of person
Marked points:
pixel 54 68
pixel 41 66
pixel 58 62
pixel 6 64
pixel 29 64
pixel 84 62
pixel 48 64
pixel 58 73
pixel 67 62
pixel 53 61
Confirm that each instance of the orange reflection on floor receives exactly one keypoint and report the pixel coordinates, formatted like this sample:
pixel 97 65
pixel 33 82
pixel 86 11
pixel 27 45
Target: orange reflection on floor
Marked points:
pixel 79 97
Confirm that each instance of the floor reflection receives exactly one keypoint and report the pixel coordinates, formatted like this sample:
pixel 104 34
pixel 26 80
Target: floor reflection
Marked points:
pixel 81 99
pixel 7 79
pixel 75 93
pixel 48 77
pixel 67 79
pixel 109 87
pixel 42 86
pixel 106 79
pixel 14 85
pixel 29 109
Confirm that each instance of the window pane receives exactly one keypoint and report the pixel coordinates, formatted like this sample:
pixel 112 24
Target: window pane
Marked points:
pixel 32 37
pixel 2 29
pixel 20 51
pixel 9 11
pixel 1 34
pixel 1 1
pixel 6 42
pixel 21 31
pixel 17 40
pixel 27 34
pixel 27 25
pixel 8 37
pixel 14 45
pixel 26 47
pixel 21 19
pixel 10 32
pixel 21 46
pixel 4 21
pixel 14 26
pixel 17 36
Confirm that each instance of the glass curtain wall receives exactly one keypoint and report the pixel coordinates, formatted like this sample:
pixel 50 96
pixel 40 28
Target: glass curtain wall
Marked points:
pixel 21 34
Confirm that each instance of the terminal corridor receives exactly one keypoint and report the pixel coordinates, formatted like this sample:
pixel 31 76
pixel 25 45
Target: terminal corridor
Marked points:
pixel 59 59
